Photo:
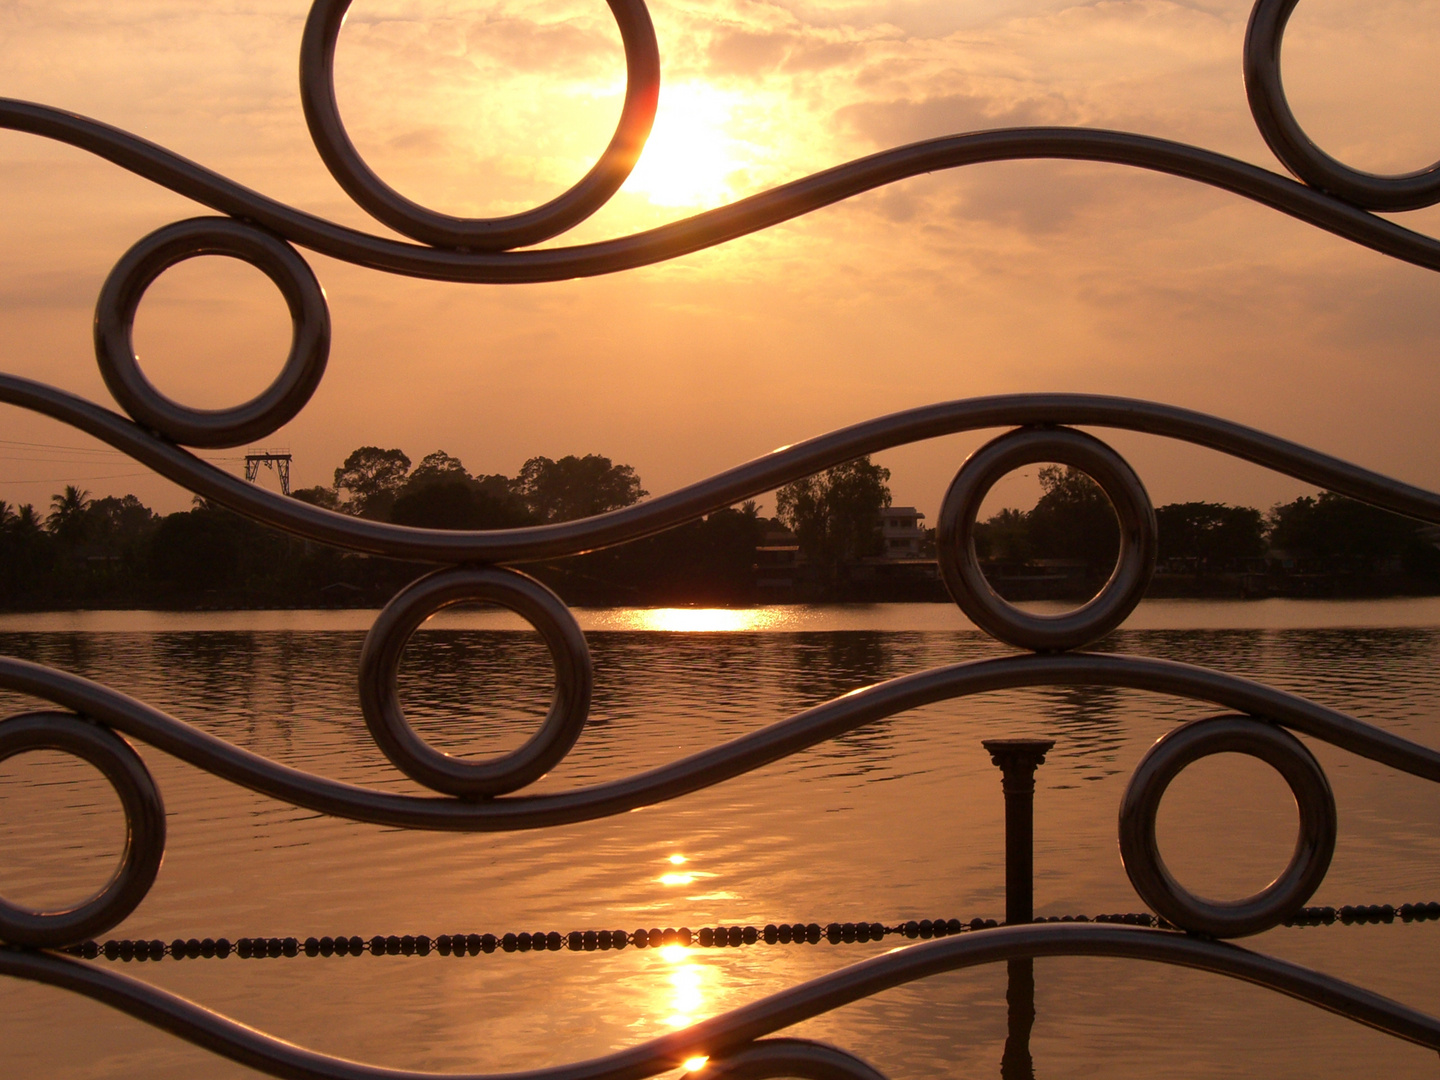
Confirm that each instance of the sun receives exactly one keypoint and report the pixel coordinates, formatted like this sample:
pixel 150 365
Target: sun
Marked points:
pixel 691 154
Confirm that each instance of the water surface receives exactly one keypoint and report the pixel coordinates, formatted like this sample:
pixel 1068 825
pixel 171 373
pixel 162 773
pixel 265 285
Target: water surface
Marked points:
pixel 899 820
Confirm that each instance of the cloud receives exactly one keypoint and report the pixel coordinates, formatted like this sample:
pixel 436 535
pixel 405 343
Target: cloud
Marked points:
pixel 742 52
pixel 888 123
pixel 750 53
pixel 48 289
pixel 508 44
pixel 1032 200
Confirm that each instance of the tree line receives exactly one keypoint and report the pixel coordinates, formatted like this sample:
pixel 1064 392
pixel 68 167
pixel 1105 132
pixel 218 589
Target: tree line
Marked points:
pixel 116 552
pixel 1312 544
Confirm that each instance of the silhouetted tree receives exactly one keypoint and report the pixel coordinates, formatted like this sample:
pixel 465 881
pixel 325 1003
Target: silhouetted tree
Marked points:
pixel 1349 535
pixel 456 504
pixel 437 468
pixel 26 559
pixel 373 478
pixel 441 494
pixel 836 515
pixel 27 521
pixel 575 487
pixel 1217 536
pixel 67 518
pixel 323 497
pixel 120 524
pixel 1073 520
pixel 213 550
pixel 1004 536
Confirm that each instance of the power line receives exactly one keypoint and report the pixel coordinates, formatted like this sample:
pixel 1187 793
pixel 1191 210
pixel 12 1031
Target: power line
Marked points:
pixel 77 479
pixel 21 452
pixel 19 446
pixel 16 443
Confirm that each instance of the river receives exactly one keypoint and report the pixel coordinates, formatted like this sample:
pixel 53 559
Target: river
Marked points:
pixel 899 820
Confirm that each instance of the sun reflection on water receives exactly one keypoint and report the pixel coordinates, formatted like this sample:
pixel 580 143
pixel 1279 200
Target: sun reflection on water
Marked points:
pixel 695 620
pixel 681 987
pixel 687 987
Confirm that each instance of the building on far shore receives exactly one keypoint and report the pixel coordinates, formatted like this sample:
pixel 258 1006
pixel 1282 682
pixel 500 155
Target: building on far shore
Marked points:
pixel 902 535
pixel 777 559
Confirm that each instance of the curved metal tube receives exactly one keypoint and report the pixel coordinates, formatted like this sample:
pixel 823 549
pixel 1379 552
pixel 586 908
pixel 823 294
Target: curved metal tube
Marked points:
pixel 802 1058
pixel 1295 149
pixel 137 270
pixel 1140 842
pixel 735 1030
pixel 725 223
pixel 140 804
pixel 723 489
pixel 469 778
pixel 960 566
pixel 327 131
pixel 720 763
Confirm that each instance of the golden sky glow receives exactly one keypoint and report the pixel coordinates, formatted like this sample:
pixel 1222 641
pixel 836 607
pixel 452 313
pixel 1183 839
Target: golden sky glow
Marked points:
pixel 691 154
pixel 1016 277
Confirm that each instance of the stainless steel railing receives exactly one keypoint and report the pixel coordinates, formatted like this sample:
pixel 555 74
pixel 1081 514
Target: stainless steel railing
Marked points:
pixel 488 795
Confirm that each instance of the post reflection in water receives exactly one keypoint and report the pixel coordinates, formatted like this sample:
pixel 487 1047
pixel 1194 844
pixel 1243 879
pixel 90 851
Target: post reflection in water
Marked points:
pixel 1016 1063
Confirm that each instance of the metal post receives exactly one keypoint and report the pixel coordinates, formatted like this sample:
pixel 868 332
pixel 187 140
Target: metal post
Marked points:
pixel 1018 759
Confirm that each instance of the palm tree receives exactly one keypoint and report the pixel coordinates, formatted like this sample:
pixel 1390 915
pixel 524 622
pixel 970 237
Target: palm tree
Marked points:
pixel 67 513
pixel 6 513
pixel 27 521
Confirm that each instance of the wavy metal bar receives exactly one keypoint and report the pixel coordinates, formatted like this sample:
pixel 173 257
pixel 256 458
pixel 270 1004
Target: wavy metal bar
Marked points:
pixel 713 227
pixel 724 489
pixel 720 763
pixel 735 1030
pixel 730 1038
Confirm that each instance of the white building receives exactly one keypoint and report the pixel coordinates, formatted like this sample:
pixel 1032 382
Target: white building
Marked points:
pixel 902 533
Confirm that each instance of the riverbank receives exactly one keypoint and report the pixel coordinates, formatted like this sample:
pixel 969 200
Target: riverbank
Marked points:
pixel 1151 615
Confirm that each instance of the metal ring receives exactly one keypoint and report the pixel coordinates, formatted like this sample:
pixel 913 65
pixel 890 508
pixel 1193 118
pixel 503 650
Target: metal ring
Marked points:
pixel 327 131
pixel 144 828
pixel 152 256
pixel 1266 91
pixel 804 1059
pixel 960 567
pixel 1314 846
pixel 380 663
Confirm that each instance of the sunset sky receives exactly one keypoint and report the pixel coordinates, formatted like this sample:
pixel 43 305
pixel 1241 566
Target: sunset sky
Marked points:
pixel 1033 276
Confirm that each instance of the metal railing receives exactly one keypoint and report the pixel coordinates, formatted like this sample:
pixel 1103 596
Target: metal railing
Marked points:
pixel 488 795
